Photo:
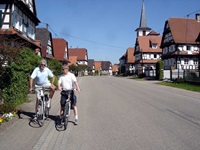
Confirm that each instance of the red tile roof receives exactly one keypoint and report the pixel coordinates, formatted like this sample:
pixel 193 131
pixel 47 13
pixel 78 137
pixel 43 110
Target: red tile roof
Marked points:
pixel 97 65
pixel 184 30
pixel 115 68
pixel 73 60
pixel 130 55
pixel 146 41
pixel 59 46
pixel 81 53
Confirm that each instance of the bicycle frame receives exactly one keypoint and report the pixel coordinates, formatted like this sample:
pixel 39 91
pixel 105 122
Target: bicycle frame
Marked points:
pixel 42 109
pixel 66 111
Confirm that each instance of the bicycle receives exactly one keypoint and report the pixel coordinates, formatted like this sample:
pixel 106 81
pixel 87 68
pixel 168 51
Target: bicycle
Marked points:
pixel 43 106
pixel 66 112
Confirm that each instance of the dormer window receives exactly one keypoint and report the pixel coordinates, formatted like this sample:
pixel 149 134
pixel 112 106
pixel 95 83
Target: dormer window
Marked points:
pixel 154 46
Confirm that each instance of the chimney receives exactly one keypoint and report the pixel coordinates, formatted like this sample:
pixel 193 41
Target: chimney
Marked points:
pixel 198 17
pixel 47 26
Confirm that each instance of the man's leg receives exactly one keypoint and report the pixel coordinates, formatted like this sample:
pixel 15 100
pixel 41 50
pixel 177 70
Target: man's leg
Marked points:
pixel 74 102
pixel 52 91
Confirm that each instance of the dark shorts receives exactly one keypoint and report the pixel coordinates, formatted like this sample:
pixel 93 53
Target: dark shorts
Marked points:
pixel 64 96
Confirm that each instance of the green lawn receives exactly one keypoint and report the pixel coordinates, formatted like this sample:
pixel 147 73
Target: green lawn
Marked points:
pixel 185 86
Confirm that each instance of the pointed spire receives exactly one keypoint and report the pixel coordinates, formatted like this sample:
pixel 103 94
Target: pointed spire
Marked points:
pixel 143 29
pixel 143 22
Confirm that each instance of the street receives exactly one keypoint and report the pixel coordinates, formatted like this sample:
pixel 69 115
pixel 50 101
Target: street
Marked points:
pixel 115 114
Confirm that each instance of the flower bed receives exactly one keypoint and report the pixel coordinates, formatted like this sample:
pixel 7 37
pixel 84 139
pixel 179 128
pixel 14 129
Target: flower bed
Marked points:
pixel 6 117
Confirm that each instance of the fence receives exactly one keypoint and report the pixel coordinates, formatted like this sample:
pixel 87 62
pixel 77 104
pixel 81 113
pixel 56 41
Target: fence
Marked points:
pixel 187 74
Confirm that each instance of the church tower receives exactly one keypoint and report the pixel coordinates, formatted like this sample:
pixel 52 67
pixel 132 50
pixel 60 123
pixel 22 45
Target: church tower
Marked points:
pixel 143 30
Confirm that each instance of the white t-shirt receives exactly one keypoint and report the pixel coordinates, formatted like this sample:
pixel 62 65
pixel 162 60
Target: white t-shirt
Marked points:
pixel 41 76
pixel 67 81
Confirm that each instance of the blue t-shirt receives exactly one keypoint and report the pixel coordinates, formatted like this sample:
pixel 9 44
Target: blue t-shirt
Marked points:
pixel 41 76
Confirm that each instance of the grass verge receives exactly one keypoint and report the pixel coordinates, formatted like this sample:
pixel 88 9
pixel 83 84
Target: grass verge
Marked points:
pixel 185 86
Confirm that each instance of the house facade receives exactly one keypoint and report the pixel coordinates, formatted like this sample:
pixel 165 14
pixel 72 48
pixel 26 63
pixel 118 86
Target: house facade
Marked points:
pixel 18 21
pixel 147 48
pixel 127 61
pixel 115 69
pixel 180 45
pixel 147 53
pixel 106 68
pixel 60 47
pixel 91 66
pixel 81 53
pixel 97 67
pixel 45 37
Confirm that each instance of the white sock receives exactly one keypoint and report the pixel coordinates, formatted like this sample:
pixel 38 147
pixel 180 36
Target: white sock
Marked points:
pixel 76 117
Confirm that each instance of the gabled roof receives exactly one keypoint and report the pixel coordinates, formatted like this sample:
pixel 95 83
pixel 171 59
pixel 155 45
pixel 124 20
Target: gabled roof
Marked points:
pixel 97 65
pixel 59 46
pixel 115 68
pixel 81 53
pixel 123 56
pixel 73 60
pixel 184 30
pixel 105 65
pixel 146 41
pixel 44 36
pixel 153 33
pixel 129 55
pixel 91 63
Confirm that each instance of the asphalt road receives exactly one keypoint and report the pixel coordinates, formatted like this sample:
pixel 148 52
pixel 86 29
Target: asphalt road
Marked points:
pixel 115 114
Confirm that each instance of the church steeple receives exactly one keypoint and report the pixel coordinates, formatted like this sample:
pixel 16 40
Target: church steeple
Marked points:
pixel 143 29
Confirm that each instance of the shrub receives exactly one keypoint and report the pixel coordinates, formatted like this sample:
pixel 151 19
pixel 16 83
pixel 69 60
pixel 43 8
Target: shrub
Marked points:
pixel 17 77
pixel 159 70
pixel 6 108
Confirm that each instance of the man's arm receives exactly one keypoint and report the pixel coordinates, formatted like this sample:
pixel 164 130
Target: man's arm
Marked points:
pixel 52 80
pixel 31 84
pixel 59 87
pixel 77 87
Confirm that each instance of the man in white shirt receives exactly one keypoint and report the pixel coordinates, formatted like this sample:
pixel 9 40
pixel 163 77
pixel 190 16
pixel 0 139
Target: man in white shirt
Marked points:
pixel 40 75
pixel 66 82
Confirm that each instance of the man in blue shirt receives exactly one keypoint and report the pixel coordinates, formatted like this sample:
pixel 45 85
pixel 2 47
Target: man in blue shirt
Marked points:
pixel 40 75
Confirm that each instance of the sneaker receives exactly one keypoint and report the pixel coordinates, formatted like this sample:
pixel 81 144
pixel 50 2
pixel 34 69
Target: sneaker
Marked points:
pixel 76 122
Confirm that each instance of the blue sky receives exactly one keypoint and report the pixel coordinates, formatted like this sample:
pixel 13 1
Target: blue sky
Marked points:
pixel 106 28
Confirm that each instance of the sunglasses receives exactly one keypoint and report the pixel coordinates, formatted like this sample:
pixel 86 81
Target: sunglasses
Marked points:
pixel 42 64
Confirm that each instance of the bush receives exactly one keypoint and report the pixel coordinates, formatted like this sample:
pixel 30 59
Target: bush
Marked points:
pixel 159 70
pixel 6 108
pixel 17 77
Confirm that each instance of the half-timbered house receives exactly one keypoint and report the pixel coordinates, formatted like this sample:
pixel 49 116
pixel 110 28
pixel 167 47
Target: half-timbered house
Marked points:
pixel 147 48
pixel 180 45
pixel 18 21
pixel 45 37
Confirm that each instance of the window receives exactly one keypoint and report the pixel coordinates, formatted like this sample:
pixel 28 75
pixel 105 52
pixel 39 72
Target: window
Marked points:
pixel 195 61
pixel 188 47
pixel 185 61
pixel 154 46
pixel 155 56
pixel 144 33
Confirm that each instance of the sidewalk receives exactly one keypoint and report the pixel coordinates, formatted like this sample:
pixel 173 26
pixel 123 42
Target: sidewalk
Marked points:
pixel 25 107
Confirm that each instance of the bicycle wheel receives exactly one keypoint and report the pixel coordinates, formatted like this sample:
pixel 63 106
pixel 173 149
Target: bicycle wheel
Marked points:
pixel 41 114
pixel 66 116
pixel 46 111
